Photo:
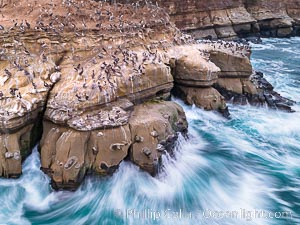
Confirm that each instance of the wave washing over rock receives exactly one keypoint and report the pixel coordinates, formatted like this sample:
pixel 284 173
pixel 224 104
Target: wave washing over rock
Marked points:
pixel 91 82
pixel 93 79
pixel 248 163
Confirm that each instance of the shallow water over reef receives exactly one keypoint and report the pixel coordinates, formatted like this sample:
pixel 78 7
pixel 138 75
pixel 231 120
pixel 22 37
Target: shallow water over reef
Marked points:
pixel 240 171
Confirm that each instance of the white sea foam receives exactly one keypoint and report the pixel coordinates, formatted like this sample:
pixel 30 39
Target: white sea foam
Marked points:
pixel 249 162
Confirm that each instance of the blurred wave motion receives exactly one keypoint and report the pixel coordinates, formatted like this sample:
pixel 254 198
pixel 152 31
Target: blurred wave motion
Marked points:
pixel 244 165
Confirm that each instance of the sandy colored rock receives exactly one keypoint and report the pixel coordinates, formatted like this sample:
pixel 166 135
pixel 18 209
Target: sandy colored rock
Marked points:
pixel 220 18
pixel 247 17
pixel 13 149
pixel 192 68
pixel 232 59
pixel 240 15
pixel 226 33
pixel 68 154
pixel 24 87
pixel 239 90
pixel 107 148
pixel 84 71
pixel 194 76
pixel 206 98
pixel 293 11
pixel 203 67
pixel 193 20
pixel 249 87
pixel 231 84
pixel 89 74
pixel 92 63
pixel 103 83
pixel 152 135
pixel 68 166
pixel 234 81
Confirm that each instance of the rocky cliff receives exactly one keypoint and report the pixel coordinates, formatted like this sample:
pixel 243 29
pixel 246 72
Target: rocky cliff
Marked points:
pixel 88 71
pixel 230 19
pixel 90 83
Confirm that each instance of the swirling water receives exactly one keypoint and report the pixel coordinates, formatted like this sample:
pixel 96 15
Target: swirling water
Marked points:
pixel 240 171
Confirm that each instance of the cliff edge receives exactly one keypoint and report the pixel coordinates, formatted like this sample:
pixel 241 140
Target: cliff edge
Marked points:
pixel 232 19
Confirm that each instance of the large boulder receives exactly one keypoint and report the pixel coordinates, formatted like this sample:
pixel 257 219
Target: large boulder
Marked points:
pixel 207 98
pixel 14 148
pixel 67 154
pixel 153 135
pixel 194 76
pixel 191 68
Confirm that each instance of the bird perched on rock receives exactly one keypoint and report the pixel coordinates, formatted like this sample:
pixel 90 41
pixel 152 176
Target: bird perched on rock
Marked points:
pixel 7 73
pixel 12 91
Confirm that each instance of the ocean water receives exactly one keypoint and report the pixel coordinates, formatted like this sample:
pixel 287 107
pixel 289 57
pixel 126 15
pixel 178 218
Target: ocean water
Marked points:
pixel 240 171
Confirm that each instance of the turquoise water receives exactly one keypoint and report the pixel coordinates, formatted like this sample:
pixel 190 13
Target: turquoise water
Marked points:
pixel 228 172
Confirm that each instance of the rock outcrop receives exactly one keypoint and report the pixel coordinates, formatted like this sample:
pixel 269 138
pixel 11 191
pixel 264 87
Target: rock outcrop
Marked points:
pixel 67 153
pixel 211 72
pixel 90 82
pixel 234 82
pixel 14 147
pixel 235 18
pixel 91 72
pixel 194 76
pixel 266 94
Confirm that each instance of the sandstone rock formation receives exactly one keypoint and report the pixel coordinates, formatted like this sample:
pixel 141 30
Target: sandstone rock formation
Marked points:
pixel 233 59
pixel 230 19
pixel 14 147
pixel 67 153
pixel 152 135
pixel 194 76
pixel 237 81
pixel 210 72
pixel 94 80
pixel 86 69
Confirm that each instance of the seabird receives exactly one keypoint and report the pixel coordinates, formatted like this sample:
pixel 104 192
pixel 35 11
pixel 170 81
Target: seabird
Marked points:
pixel 12 91
pixel 46 85
pixel 7 72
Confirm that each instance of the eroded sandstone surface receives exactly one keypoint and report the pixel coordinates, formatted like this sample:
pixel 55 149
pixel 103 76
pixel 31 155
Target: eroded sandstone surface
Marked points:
pixel 91 82
pixel 230 19
pixel 67 154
